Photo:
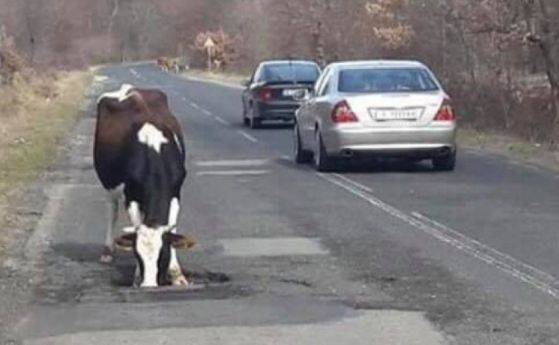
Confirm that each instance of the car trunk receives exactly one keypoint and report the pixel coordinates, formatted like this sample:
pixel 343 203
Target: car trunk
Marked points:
pixel 285 91
pixel 396 109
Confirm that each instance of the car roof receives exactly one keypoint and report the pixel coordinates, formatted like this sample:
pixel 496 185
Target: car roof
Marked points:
pixel 378 64
pixel 271 62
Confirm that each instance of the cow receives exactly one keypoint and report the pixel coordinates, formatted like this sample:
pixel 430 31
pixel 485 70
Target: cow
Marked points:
pixel 139 153
pixel 169 64
pixel 163 63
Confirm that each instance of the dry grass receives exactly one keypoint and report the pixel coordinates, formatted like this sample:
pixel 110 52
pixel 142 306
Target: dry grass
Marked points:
pixel 35 115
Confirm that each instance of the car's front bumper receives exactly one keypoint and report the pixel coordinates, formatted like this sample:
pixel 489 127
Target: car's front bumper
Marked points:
pixel 423 142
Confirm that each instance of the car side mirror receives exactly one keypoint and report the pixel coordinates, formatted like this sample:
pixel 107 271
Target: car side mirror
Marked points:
pixel 302 95
pixel 247 83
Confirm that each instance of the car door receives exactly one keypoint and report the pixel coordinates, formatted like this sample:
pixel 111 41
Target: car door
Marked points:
pixel 307 115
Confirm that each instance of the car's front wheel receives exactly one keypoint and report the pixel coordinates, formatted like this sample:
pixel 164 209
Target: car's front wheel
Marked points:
pixel 301 155
pixel 322 162
pixel 445 163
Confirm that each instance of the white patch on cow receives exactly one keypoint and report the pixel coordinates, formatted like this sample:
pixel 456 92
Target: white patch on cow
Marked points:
pixel 152 137
pixel 121 94
pixel 148 247
pixel 175 271
pixel 135 214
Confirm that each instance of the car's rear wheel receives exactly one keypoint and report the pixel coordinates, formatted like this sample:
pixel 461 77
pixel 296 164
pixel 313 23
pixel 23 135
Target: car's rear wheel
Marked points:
pixel 246 121
pixel 445 163
pixel 301 155
pixel 322 162
pixel 254 122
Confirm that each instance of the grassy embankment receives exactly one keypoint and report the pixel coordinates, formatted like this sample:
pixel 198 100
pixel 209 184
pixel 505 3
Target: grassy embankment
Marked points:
pixel 35 116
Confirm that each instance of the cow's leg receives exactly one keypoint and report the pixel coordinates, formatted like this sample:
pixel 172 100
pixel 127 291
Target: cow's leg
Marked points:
pixel 176 276
pixel 137 277
pixel 108 250
pixel 175 271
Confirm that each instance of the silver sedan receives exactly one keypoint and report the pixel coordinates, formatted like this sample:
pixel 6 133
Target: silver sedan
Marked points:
pixel 376 108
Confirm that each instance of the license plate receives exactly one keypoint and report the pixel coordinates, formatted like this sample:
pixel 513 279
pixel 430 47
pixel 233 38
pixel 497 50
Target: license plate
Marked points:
pixel 411 114
pixel 290 92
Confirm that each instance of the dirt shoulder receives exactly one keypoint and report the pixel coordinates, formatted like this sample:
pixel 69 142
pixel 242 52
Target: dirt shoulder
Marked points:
pixel 521 151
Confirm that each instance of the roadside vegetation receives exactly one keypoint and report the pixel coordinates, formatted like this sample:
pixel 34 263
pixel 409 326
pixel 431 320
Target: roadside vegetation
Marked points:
pixel 36 112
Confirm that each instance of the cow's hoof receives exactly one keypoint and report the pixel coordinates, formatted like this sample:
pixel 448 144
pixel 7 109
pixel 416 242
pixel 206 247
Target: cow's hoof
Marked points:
pixel 107 256
pixel 179 280
pixel 106 259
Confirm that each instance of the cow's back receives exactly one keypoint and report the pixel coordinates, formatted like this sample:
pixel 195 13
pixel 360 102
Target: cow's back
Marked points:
pixel 117 125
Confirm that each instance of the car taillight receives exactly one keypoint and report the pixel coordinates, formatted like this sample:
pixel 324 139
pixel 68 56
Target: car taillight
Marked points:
pixel 446 113
pixel 343 114
pixel 264 94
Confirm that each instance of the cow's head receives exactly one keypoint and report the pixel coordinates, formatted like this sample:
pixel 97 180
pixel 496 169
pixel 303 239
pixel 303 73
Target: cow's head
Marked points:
pixel 152 248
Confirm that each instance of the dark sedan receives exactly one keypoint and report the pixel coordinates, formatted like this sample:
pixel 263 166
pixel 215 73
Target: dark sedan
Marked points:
pixel 269 94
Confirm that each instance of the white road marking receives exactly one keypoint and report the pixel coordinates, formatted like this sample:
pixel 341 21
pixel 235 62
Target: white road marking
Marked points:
pixel 286 158
pixel 289 246
pixel 135 73
pixel 207 112
pixel 222 120
pixel 233 173
pixel 354 183
pixel 194 105
pixel 234 163
pixel 483 247
pixel 505 263
pixel 248 136
pixel 100 78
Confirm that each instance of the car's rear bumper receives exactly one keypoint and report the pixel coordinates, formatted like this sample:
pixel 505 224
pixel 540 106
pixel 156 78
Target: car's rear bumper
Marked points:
pixel 423 142
pixel 280 110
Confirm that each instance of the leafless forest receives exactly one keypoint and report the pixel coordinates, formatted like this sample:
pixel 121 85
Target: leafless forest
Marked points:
pixel 498 58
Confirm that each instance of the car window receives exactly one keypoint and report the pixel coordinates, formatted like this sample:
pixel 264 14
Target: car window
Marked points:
pixel 257 77
pixel 292 72
pixel 383 80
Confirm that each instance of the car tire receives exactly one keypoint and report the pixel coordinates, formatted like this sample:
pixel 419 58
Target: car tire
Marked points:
pixel 322 162
pixel 302 156
pixel 254 123
pixel 445 163
pixel 246 121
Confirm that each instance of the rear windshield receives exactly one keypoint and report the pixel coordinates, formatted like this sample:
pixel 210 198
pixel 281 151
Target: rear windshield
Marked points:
pixel 385 80
pixel 291 72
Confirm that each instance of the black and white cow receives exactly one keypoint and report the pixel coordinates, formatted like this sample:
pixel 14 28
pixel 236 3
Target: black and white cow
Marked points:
pixel 139 153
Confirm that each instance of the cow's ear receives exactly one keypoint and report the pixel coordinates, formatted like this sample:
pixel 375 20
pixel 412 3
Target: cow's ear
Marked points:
pixel 180 241
pixel 126 242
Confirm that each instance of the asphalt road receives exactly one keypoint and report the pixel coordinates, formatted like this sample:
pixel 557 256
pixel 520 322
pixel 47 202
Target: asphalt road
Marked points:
pixel 383 254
